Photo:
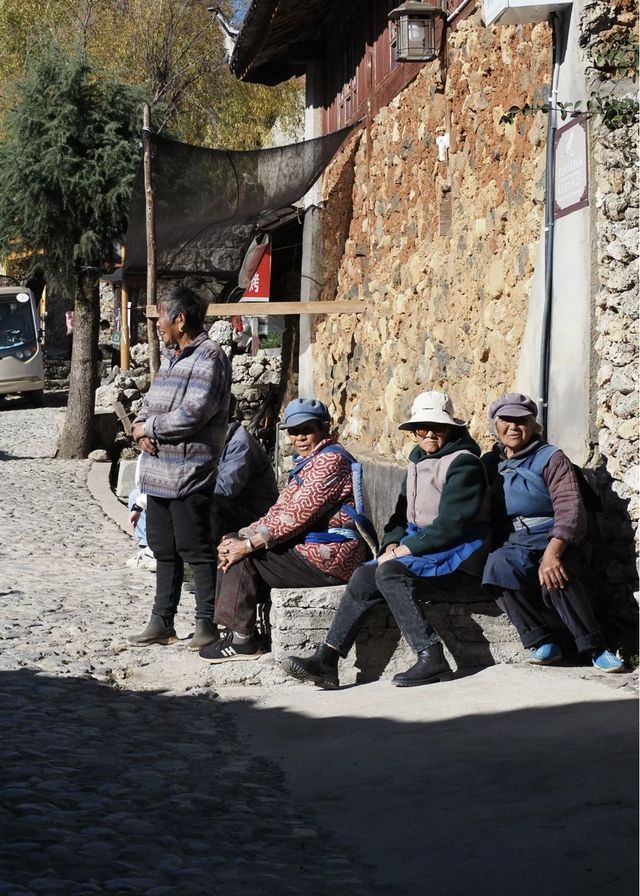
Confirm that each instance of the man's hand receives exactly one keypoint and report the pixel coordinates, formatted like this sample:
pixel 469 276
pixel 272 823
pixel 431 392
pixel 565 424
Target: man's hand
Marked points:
pixel 143 441
pixel 551 573
pixel 134 516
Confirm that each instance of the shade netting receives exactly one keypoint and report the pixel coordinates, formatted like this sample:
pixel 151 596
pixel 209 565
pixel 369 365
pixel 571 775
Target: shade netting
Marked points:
pixel 209 203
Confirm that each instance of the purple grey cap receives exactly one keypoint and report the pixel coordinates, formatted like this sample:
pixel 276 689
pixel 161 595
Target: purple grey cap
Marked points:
pixel 513 404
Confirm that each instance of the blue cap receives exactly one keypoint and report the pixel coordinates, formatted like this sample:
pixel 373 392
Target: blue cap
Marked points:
pixel 305 410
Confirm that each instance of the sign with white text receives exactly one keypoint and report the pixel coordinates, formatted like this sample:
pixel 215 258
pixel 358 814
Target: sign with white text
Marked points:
pixel 570 171
pixel 260 284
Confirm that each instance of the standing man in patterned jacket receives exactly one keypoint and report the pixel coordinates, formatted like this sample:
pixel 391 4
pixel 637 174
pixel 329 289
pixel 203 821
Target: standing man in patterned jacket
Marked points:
pixel 181 431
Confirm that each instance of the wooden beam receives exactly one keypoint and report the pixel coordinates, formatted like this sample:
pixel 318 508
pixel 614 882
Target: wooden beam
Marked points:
pixel 264 309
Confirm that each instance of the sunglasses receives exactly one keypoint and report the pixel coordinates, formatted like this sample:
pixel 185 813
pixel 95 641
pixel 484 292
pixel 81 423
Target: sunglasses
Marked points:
pixel 302 430
pixel 425 428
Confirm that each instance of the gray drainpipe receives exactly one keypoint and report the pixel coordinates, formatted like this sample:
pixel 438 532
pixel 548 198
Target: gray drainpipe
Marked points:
pixel 559 33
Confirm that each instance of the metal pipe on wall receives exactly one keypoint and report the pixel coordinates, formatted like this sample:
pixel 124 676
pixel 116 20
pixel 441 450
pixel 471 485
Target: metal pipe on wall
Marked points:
pixel 558 46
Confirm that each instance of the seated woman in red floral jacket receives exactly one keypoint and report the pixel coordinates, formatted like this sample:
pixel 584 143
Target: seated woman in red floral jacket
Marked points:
pixel 308 539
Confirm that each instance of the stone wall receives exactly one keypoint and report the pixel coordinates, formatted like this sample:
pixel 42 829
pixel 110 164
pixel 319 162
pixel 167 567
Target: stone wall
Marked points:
pixel 614 185
pixel 442 246
pixel 442 250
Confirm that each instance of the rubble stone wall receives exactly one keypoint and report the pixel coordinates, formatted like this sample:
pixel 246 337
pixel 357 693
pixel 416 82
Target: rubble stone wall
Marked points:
pixel 614 203
pixel 440 244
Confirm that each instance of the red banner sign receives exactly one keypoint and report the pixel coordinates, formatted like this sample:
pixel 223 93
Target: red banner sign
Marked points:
pixel 260 284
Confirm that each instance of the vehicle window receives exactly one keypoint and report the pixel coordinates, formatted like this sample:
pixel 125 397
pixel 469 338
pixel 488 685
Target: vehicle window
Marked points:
pixel 16 324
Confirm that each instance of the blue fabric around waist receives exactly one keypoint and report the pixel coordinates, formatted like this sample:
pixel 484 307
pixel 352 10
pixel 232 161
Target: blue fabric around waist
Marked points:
pixel 514 564
pixel 442 563
pixel 331 536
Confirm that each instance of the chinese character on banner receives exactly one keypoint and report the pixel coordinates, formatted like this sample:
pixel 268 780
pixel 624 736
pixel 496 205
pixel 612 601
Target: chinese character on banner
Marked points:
pixel 260 283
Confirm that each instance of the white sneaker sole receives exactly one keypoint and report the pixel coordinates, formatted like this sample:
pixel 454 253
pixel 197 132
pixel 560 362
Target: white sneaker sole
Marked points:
pixel 239 657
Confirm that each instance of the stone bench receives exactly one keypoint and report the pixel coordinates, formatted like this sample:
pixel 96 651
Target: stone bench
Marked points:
pixel 474 630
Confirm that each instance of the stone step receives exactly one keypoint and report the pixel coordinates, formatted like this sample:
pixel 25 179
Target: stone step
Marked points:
pixel 474 630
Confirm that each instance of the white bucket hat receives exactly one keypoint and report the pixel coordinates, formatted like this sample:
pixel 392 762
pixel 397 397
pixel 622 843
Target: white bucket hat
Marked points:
pixel 432 407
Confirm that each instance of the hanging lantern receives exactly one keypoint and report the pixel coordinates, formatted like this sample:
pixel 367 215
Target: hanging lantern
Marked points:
pixel 416 29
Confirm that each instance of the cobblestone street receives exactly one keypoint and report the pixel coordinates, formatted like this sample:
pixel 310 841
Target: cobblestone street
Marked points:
pixel 119 775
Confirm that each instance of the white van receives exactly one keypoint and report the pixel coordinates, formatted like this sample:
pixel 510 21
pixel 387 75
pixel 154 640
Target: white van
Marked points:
pixel 21 362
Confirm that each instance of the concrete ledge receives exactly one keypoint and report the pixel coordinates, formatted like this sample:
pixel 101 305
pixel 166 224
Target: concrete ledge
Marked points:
pixel 98 485
pixel 126 478
pixel 475 632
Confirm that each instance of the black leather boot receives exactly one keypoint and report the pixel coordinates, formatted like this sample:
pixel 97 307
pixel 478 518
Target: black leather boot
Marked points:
pixel 159 630
pixel 206 633
pixel 431 667
pixel 321 668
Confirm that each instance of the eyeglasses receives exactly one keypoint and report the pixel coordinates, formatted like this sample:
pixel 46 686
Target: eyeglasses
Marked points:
pixel 423 430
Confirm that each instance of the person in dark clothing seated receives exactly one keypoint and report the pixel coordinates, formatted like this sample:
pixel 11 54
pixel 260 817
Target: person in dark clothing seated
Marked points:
pixel 246 484
pixel 539 521
pixel 436 539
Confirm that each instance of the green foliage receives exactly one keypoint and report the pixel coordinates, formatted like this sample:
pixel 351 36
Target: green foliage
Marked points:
pixel 271 340
pixel 615 112
pixel 68 156
pixel 172 47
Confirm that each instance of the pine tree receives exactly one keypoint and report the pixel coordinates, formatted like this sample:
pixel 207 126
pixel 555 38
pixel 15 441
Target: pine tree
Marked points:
pixel 68 155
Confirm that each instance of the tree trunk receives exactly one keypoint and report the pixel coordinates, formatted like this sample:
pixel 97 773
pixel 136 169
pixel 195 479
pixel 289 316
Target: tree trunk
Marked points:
pixel 75 441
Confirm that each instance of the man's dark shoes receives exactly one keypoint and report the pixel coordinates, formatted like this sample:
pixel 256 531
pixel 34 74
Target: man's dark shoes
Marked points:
pixel 431 667
pixel 225 650
pixel 321 668
pixel 159 630
pixel 206 632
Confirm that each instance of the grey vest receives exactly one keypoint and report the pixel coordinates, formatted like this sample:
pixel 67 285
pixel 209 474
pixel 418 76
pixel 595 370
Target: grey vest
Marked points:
pixel 425 481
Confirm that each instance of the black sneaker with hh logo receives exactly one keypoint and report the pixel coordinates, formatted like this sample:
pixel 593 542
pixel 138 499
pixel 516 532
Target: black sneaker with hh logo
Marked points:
pixel 225 650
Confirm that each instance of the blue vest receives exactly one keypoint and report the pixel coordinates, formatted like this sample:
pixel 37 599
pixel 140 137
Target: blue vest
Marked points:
pixel 525 491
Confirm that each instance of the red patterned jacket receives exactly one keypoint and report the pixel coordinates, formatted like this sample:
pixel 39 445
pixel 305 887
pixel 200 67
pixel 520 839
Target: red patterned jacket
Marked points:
pixel 314 506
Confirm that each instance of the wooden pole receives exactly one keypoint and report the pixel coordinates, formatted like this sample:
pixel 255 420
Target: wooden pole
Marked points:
pixel 152 334
pixel 125 339
pixel 255 336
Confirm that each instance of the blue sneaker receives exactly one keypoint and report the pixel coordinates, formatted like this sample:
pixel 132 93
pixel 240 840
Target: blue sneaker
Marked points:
pixel 545 655
pixel 607 662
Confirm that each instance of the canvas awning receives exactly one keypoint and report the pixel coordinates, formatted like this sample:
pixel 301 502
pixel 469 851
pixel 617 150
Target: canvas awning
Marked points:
pixel 208 203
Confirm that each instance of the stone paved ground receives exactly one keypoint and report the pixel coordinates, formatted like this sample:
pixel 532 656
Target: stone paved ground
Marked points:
pixel 120 771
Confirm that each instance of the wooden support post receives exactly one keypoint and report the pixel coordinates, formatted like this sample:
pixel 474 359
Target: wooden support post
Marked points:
pixel 152 334
pixel 255 336
pixel 125 339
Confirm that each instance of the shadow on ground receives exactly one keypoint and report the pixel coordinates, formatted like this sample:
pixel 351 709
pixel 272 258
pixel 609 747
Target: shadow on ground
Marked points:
pixel 111 791
pixel 19 402
pixel 483 803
